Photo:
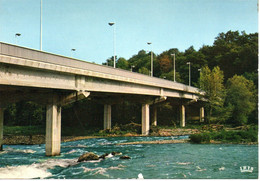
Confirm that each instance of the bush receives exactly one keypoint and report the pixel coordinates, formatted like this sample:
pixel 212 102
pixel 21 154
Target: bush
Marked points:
pixel 242 136
pixel 200 138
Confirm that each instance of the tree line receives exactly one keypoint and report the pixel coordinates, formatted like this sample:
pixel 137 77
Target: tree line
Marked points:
pixel 226 71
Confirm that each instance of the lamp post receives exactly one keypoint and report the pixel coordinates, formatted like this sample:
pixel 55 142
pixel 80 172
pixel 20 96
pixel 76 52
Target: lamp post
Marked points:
pixel 173 66
pixel 41 27
pixel 189 73
pixel 114 43
pixel 16 35
pixel 149 43
pixel 199 72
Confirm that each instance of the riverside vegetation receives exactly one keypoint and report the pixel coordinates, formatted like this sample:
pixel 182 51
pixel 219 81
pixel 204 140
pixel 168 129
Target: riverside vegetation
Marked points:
pixel 228 75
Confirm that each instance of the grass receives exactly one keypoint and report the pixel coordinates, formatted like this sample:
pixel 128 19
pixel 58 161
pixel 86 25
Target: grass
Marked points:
pixel 24 130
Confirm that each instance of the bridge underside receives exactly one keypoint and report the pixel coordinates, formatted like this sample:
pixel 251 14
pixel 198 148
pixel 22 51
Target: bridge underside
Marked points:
pixel 54 81
pixel 54 99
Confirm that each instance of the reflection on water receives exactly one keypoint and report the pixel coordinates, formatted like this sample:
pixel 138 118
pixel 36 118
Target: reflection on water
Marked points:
pixel 164 161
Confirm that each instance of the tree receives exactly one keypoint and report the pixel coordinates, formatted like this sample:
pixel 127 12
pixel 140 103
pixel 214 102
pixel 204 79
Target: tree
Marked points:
pixel 122 64
pixel 144 70
pixel 165 63
pixel 211 82
pixel 109 62
pixel 235 53
pixel 241 94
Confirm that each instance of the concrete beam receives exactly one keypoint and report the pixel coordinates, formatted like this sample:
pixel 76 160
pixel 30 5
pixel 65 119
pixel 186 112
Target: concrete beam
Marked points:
pixel 107 116
pixel 145 119
pixel 76 96
pixel 53 130
pixel 182 116
pixel 1 128
pixel 202 117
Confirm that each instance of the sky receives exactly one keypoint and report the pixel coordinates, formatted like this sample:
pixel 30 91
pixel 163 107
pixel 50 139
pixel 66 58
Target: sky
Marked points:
pixel 83 25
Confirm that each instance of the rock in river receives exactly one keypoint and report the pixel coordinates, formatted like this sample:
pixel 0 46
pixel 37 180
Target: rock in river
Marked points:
pixel 88 156
pixel 116 153
pixel 125 157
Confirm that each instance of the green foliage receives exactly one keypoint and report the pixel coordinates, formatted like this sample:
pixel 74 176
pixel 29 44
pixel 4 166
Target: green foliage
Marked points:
pixel 25 113
pixel 200 138
pixel 122 63
pixel 241 136
pixel 144 70
pixel 211 82
pixel 24 130
pixel 241 94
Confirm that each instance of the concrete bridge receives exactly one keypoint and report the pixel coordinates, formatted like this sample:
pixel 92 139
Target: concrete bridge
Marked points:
pixel 54 81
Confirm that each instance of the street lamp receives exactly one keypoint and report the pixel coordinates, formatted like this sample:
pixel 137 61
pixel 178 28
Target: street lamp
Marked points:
pixel 114 42
pixel 16 35
pixel 173 66
pixel 188 63
pixel 132 66
pixel 149 43
pixel 72 50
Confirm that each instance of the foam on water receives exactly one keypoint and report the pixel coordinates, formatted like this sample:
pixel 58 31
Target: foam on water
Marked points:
pixel 103 171
pixel 35 170
pixel 12 150
pixel 24 172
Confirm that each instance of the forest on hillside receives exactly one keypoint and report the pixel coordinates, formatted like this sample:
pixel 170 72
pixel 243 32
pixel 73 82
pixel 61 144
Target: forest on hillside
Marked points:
pixel 227 71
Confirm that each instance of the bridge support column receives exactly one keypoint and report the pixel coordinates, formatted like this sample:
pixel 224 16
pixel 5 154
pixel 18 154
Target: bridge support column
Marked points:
pixel 154 116
pixel 107 116
pixel 145 119
pixel 182 116
pixel 53 130
pixel 202 118
pixel 1 128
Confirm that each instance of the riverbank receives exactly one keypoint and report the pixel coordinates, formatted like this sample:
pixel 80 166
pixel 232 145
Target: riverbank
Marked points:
pixel 40 139
pixel 214 135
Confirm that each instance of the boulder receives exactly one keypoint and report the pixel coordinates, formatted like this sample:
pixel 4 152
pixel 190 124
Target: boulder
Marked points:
pixel 104 155
pixel 88 156
pixel 125 157
pixel 116 153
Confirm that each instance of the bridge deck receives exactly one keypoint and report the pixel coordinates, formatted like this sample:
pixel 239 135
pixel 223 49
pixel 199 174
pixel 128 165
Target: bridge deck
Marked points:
pixel 29 57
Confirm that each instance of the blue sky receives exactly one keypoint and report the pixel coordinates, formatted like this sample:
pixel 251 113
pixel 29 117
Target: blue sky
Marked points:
pixel 83 24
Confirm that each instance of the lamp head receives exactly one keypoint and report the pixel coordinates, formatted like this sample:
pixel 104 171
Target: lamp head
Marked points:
pixel 111 23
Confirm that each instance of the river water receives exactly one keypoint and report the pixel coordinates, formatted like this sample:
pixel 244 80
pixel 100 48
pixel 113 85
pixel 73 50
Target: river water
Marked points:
pixel 150 161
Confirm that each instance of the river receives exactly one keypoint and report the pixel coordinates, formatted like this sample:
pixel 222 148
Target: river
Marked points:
pixel 150 161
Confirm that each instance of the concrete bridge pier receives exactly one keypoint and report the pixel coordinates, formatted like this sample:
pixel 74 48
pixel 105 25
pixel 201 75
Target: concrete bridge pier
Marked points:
pixel 145 119
pixel 182 116
pixel 154 116
pixel 107 116
pixel 53 128
pixel 1 128
pixel 202 117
